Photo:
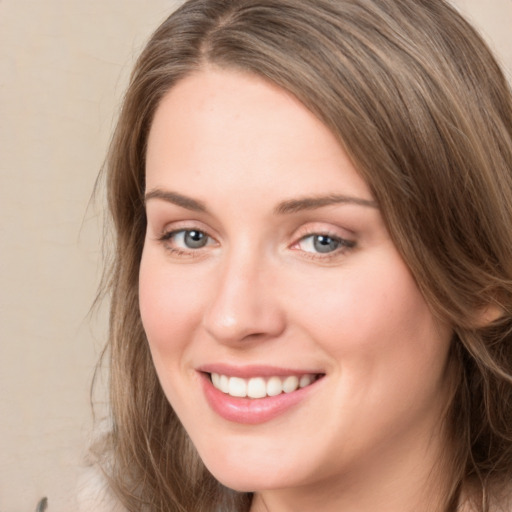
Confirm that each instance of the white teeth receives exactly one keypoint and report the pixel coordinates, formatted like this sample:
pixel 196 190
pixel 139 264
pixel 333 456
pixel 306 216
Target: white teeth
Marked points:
pixel 305 380
pixel 256 388
pixel 274 386
pixel 237 387
pixel 259 387
pixel 290 384
pixel 224 384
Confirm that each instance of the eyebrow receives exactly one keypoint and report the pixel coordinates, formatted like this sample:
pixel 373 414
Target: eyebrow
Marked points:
pixel 286 207
pixel 177 199
pixel 312 203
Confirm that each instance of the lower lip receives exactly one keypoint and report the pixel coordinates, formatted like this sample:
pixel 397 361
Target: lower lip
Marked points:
pixel 251 411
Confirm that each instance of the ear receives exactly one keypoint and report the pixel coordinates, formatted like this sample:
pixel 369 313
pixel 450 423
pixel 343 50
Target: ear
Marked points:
pixel 487 315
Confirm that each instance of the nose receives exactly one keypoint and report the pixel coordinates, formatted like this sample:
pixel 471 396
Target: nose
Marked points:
pixel 245 304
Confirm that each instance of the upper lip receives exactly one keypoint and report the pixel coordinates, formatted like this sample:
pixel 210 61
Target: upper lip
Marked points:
pixel 248 371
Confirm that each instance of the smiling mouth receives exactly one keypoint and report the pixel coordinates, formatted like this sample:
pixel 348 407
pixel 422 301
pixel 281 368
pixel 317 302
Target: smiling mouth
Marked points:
pixel 261 387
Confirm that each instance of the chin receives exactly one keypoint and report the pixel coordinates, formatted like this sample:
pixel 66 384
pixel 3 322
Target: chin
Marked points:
pixel 248 482
pixel 245 476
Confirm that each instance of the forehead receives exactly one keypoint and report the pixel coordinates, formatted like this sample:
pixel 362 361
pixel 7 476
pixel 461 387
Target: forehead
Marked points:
pixel 238 130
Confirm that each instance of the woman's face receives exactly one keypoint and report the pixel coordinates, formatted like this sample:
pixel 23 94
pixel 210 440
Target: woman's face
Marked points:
pixel 267 268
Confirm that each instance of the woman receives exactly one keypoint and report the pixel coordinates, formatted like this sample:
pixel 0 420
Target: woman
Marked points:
pixel 312 284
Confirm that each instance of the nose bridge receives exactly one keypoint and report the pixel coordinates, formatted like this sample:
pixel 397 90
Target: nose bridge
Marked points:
pixel 243 305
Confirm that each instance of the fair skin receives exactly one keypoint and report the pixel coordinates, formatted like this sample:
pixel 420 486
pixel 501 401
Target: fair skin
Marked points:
pixel 243 277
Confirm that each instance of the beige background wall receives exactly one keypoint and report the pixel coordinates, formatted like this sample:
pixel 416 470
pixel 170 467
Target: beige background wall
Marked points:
pixel 63 68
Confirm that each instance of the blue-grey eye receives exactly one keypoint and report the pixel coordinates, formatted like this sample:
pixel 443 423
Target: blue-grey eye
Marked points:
pixel 187 239
pixel 194 239
pixel 322 243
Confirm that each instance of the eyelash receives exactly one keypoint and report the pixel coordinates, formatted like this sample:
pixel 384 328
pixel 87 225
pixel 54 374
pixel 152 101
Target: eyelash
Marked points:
pixel 343 244
pixel 168 236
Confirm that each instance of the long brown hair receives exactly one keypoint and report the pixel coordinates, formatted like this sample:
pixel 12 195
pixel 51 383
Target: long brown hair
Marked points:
pixel 420 105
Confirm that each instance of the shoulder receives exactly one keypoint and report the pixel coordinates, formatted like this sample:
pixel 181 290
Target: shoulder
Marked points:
pixel 93 491
pixel 504 499
pixel 500 498
pixel 94 494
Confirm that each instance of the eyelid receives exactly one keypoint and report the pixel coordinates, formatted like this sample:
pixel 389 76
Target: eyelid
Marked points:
pixel 347 243
pixel 328 229
pixel 344 241
pixel 166 237
pixel 170 233
pixel 167 228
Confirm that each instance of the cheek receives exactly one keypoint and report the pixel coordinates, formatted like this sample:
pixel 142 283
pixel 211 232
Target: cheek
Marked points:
pixel 171 313
pixel 169 306
pixel 387 352
pixel 375 314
